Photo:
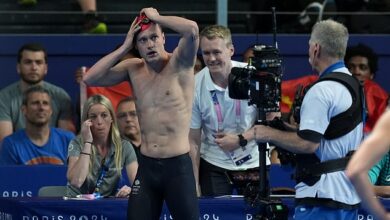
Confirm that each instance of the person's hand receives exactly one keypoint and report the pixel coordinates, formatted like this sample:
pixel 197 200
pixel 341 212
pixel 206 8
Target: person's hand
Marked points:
pixel 228 142
pixel 134 28
pixel 123 192
pixel 86 130
pixel 151 13
pixel 272 115
pixel 261 133
pixel 78 75
pixel 291 127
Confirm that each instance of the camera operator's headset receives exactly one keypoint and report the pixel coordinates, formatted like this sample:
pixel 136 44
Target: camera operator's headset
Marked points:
pixel 309 168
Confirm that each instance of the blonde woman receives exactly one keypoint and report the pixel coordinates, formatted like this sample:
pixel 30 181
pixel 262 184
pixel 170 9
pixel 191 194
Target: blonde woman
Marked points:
pixel 97 156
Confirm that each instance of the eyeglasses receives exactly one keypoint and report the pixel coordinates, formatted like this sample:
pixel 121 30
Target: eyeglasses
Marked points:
pixel 122 115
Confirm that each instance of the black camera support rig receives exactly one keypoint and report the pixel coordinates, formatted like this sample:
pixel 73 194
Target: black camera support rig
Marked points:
pixel 260 82
pixel 269 208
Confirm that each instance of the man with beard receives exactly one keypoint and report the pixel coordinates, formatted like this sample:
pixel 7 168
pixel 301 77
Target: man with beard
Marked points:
pixel 32 68
pixel 38 143
pixel 128 124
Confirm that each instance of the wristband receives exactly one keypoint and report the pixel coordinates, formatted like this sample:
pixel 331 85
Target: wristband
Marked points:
pixel 88 142
pixel 85 153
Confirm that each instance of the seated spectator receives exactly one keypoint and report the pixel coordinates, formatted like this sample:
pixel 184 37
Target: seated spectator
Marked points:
pixel 92 23
pixel 32 69
pixel 379 176
pixel 38 143
pixel 128 124
pixel 362 62
pixel 97 156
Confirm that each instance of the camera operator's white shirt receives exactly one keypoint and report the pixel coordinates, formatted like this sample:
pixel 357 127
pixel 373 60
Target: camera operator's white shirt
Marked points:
pixel 204 116
pixel 323 101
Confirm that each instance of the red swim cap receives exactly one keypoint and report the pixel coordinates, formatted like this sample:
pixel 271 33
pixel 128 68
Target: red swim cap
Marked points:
pixel 145 22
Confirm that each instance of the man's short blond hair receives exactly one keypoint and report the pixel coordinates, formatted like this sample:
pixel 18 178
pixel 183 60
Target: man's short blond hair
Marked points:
pixel 217 31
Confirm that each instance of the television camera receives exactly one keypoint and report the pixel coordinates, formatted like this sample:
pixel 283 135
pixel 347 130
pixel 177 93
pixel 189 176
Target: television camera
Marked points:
pixel 260 83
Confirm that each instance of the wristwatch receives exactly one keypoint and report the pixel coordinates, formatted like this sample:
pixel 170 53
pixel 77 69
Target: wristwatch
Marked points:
pixel 242 141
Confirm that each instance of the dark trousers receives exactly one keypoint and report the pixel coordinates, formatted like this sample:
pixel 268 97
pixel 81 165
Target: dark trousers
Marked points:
pixel 217 181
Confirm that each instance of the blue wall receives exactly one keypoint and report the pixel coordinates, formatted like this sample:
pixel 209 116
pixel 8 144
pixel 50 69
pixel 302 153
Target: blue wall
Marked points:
pixel 68 52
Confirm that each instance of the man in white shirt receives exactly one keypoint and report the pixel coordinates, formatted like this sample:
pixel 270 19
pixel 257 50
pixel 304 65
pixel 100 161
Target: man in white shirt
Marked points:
pixel 221 146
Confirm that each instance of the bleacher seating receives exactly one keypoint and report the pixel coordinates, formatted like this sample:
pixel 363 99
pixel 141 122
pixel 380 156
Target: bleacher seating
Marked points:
pixel 64 16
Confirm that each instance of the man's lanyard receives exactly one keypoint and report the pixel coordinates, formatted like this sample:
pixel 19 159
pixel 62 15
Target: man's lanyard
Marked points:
pixel 240 155
pixel 104 166
pixel 331 68
pixel 218 111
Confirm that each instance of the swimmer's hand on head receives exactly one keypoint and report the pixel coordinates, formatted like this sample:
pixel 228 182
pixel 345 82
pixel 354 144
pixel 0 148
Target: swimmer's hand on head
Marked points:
pixel 143 22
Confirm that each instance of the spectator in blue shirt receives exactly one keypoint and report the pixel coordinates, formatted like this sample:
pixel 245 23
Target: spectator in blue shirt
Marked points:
pixel 38 143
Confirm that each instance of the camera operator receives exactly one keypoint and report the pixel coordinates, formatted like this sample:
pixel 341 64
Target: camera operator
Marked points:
pixel 222 149
pixel 327 193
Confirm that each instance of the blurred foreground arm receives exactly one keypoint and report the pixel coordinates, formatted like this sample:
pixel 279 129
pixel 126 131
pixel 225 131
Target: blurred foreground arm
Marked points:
pixel 364 159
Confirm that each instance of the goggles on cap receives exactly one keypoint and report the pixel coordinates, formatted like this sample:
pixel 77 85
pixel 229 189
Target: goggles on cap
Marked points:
pixel 144 22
